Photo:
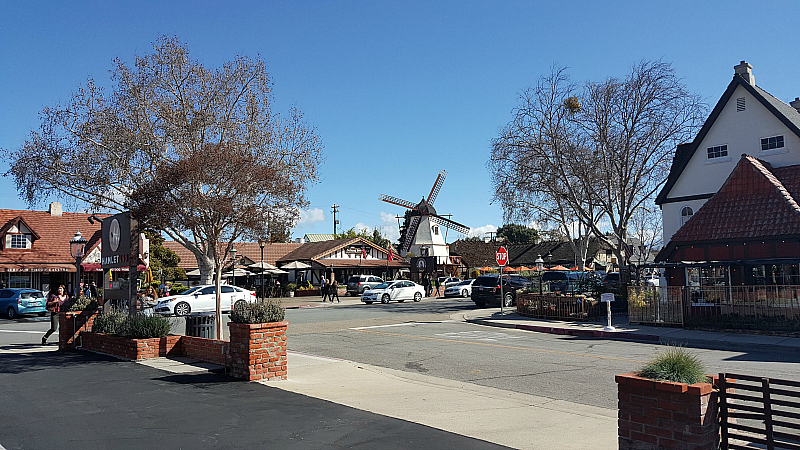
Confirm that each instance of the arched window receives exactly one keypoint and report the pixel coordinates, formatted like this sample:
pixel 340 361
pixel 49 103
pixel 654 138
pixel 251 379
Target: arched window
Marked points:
pixel 436 230
pixel 686 214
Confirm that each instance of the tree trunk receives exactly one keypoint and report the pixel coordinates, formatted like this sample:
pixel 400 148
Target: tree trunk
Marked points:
pixel 218 310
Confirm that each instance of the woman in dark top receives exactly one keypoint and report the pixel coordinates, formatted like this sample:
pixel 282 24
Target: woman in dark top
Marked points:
pixel 54 302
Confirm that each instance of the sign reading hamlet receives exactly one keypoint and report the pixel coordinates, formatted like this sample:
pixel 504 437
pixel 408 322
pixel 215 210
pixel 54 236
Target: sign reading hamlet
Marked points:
pixel 120 241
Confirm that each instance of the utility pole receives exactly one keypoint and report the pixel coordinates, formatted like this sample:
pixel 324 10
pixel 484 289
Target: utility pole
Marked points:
pixel 491 234
pixel 334 210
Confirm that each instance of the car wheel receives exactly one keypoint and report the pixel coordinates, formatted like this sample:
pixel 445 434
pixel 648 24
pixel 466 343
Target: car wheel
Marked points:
pixel 369 303
pixel 417 296
pixel 182 309
pixel 480 304
pixel 12 313
pixel 385 299
pixel 508 300
pixel 464 293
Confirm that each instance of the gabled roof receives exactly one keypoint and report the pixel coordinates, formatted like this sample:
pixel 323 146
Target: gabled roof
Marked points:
pixel 15 223
pixel 250 250
pixel 315 250
pixel 684 152
pixel 54 233
pixel 754 202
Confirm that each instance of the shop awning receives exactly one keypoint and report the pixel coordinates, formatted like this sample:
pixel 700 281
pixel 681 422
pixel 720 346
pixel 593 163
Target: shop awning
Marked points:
pixel 96 267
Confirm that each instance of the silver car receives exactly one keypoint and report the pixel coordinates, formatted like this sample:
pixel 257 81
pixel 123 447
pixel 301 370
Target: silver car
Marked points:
pixel 462 289
pixel 399 291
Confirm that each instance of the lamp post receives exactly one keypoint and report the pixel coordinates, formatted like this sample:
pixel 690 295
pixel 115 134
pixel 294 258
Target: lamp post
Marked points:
pixel 540 268
pixel 262 243
pixel 77 248
pixel 233 264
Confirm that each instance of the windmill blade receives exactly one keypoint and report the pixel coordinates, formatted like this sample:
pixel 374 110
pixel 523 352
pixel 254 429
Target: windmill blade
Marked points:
pixel 436 186
pixel 445 222
pixel 410 233
pixel 397 201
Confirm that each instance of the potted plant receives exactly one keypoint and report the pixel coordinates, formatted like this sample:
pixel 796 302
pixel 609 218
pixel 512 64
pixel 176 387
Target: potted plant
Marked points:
pixel 258 341
pixel 290 288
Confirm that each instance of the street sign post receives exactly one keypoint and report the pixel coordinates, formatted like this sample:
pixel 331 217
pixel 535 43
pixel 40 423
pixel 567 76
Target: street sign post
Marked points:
pixel 607 298
pixel 502 259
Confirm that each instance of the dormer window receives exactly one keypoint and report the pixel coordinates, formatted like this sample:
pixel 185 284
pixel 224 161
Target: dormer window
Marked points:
pixel 435 230
pixel 771 143
pixel 17 241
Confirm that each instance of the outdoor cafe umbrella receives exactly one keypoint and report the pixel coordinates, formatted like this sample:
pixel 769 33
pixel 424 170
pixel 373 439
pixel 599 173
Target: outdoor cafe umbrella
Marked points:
pixel 558 267
pixel 262 266
pixel 296 265
pixel 237 273
pixel 485 269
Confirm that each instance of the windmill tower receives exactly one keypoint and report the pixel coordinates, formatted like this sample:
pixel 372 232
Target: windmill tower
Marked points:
pixel 425 227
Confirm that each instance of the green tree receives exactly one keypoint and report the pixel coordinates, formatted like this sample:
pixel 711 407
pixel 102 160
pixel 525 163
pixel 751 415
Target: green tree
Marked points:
pixel 518 234
pixel 162 258
pixel 375 237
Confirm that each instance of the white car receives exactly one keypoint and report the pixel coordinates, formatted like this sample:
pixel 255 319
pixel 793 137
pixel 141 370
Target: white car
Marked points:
pixel 203 299
pixel 400 291
pixel 462 289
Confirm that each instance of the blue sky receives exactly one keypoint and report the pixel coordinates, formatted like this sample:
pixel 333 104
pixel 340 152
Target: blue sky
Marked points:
pixel 396 90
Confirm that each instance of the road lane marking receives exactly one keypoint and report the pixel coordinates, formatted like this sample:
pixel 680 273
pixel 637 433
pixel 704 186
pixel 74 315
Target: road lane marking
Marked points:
pixel 501 346
pixel 21 331
pixel 478 335
pixel 402 324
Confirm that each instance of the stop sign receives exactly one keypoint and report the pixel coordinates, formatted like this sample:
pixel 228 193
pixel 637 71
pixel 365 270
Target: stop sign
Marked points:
pixel 501 256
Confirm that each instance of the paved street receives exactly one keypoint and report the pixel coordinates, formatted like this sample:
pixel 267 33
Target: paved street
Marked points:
pixel 360 376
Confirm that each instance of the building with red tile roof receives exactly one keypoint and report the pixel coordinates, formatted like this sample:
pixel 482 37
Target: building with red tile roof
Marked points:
pixel 34 246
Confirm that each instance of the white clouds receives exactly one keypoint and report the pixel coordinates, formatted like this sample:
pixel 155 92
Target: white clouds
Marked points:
pixel 310 216
pixel 388 227
pixel 480 231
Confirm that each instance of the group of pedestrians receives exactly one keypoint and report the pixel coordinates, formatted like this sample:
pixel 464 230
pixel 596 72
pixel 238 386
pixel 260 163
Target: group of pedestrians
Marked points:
pixel 432 288
pixel 329 290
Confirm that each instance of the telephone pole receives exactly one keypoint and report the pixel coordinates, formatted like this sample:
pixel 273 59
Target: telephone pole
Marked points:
pixel 334 210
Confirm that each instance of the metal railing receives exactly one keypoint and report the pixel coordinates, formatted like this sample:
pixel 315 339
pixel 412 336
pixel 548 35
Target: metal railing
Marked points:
pixel 554 306
pixel 748 307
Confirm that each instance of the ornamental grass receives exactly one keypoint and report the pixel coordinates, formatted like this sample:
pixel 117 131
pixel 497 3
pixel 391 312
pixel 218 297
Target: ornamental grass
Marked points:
pixel 675 364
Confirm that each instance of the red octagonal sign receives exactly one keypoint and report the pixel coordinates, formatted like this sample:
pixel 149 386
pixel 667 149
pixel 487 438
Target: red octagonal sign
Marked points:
pixel 501 256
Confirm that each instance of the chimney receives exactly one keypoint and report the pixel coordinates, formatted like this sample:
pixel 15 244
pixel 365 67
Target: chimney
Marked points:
pixel 795 104
pixel 745 70
pixel 56 209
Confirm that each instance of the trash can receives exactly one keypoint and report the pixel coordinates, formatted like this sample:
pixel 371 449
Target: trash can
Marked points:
pixel 202 325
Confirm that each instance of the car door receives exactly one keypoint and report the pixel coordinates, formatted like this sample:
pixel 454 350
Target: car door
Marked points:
pixel 205 300
pixel 228 298
pixel 5 299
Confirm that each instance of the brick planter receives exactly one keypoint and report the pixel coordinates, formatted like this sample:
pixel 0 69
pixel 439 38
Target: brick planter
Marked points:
pixel 307 293
pixel 659 414
pixel 70 326
pixel 258 351
pixel 131 349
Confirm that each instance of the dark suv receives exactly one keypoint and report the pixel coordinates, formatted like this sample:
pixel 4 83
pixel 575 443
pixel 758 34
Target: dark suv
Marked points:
pixel 358 284
pixel 486 289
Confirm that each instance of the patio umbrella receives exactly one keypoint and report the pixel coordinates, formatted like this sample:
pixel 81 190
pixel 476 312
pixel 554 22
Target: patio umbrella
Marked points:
pixel 193 273
pixel 509 269
pixel 558 267
pixel 266 266
pixel 237 273
pixel 296 265
pixel 275 271
pixel 485 269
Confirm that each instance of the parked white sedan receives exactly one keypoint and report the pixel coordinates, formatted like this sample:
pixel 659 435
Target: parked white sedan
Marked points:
pixel 399 290
pixel 462 289
pixel 203 299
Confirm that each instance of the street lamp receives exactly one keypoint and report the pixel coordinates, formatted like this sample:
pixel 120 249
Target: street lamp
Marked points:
pixel 540 268
pixel 262 243
pixel 233 264
pixel 77 248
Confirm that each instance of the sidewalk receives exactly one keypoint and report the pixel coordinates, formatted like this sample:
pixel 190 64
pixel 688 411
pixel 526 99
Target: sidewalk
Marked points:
pixel 665 335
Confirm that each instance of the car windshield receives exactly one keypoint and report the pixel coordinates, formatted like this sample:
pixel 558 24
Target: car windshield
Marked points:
pixel 465 282
pixel 35 294
pixel 191 291
pixel 382 286
pixel 353 280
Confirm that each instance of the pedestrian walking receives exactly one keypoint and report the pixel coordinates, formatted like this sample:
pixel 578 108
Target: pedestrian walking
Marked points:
pixel 54 303
pixel 334 291
pixel 438 285
pixel 427 285
pixel 324 290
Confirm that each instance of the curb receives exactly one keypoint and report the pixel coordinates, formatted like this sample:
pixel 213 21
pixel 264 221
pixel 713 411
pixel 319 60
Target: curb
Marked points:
pixel 571 331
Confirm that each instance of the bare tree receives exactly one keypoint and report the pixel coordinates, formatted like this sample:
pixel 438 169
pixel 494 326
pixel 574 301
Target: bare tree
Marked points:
pixel 598 155
pixel 170 116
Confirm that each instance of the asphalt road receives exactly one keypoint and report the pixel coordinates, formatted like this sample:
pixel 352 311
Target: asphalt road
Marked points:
pixel 421 337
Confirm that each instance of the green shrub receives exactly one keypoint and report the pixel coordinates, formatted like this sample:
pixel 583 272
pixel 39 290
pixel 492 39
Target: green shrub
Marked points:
pixel 177 289
pixel 675 364
pixel 109 322
pixel 137 326
pixel 291 287
pixel 271 311
pixel 83 303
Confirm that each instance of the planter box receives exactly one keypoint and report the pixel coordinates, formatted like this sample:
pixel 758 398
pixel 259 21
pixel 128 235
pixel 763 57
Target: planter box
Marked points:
pixel 660 414
pixel 131 349
pixel 258 351
pixel 307 293
pixel 71 324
